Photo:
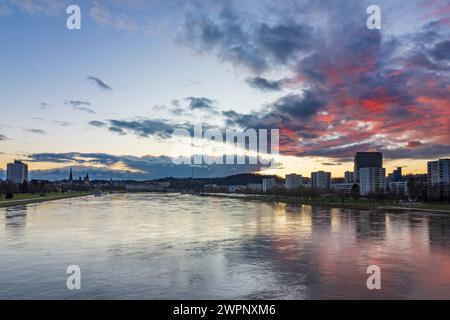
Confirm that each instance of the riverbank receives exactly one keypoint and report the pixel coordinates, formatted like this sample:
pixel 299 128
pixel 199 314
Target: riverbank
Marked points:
pixel 28 199
pixel 366 205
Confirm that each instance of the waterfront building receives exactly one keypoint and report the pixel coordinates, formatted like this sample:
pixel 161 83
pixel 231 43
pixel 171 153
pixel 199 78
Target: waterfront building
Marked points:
pixel 372 180
pixel 349 177
pixel 17 172
pixel 399 188
pixel 321 180
pixel 367 160
pixel 268 184
pixel 342 187
pixel 293 181
pixel 438 175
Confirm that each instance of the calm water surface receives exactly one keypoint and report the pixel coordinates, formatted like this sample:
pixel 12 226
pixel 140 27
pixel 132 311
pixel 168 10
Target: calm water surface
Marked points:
pixel 170 246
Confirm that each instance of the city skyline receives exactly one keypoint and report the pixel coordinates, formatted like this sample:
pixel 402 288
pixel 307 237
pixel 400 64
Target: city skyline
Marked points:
pixel 293 178
pixel 106 98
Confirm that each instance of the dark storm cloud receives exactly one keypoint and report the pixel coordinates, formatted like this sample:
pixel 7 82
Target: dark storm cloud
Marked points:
pixel 144 127
pixel 2 137
pixel 225 37
pixel 99 83
pixel 289 112
pixel 299 107
pixel 414 144
pixel 339 152
pixel 255 47
pixel 441 51
pixel 358 89
pixel 264 84
pixel 416 151
pixel 429 151
pixel 283 42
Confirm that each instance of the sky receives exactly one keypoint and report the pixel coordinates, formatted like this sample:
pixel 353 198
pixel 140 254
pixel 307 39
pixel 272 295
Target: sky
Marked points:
pixel 105 99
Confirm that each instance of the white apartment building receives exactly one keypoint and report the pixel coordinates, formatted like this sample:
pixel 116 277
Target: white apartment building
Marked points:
pixel 372 180
pixel 293 181
pixel 17 172
pixel 321 180
pixel 399 188
pixel 438 173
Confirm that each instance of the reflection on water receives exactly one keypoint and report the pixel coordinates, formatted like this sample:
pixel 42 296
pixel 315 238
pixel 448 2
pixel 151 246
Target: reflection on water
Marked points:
pixel 186 247
pixel 15 216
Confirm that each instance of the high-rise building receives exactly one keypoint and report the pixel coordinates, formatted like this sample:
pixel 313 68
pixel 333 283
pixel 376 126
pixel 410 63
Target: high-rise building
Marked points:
pixel 349 177
pixel 321 180
pixel 438 175
pixel 367 160
pixel 293 181
pixel 17 172
pixel 397 175
pixel 268 184
pixel 372 180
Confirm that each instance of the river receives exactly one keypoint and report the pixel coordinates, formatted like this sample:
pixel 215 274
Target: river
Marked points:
pixel 175 246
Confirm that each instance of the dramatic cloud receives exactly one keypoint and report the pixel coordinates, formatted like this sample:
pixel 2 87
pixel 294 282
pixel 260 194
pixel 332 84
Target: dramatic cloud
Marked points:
pixel 256 47
pixel 2 137
pixel 341 88
pixel 441 51
pixel 139 168
pixel 264 84
pixel 99 83
pixel 352 89
pixel 142 128
pixel 291 111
